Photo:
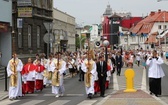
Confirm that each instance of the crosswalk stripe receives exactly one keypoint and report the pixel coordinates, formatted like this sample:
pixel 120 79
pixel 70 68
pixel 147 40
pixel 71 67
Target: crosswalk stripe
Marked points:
pixel 33 101
pixel 143 85
pixel 64 95
pixel 32 94
pixel 115 82
pixel 60 102
pixel 8 102
pixel 74 95
pixel 49 95
pixel 87 102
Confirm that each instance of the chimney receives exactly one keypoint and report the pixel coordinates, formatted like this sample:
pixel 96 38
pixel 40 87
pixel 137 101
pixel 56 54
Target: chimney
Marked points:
pixel 152 13
pixel 159 10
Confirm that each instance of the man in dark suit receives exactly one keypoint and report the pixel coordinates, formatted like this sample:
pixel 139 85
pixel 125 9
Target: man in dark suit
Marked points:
pixel 118 63
pixel 102 74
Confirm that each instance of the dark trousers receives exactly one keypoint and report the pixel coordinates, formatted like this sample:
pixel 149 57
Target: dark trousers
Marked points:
pixel 118 70
pixel 102 81
pixel 155 85
pixel 113 70
pixel 81 74
pixel 138 63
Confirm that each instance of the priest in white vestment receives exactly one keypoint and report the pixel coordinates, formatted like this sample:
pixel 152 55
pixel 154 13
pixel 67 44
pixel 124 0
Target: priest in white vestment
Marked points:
pixel 14 69
pixel 57 76
pixel 89 68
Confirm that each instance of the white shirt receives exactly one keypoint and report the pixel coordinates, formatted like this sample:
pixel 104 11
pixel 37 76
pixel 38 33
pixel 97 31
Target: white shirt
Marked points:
pixel 155 69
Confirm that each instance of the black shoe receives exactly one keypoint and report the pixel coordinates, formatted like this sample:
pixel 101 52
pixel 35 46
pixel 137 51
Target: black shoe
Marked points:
pixel 156 95
pixel 90 95
pixel 102 96
pixel 151 93
pixel 79 79
pixel 11 99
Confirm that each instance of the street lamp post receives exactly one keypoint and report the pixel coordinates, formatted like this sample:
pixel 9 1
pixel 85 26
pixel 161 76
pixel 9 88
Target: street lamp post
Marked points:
pixel 106 43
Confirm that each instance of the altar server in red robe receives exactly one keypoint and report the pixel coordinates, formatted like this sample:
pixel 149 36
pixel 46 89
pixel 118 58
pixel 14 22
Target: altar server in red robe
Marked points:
pixel 29 68
pixel 39 75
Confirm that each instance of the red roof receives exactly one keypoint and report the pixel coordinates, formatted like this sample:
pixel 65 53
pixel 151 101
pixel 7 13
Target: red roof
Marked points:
pixel 129 22
pixel 146 28
pixel 146 24
pixel 152 38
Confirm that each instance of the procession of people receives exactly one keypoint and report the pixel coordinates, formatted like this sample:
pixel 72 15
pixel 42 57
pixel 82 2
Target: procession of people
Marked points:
pixel 92 67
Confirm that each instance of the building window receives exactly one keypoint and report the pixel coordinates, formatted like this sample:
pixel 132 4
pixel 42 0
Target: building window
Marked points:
pixel 38 3
pixel 29 35
pixel 45 3
pixel 159 27
pixel 38 36
pixel 19 37
pixel 165 27
pixel 50 4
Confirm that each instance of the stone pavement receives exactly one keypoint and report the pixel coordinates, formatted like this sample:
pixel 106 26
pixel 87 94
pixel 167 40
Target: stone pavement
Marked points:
pixel 141 97
pixel 3 93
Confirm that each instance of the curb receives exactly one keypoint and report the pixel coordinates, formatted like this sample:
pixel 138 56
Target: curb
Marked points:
pixel 3 97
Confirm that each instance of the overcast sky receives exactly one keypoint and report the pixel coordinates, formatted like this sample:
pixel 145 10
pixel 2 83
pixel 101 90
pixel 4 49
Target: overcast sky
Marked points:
pixel 90 11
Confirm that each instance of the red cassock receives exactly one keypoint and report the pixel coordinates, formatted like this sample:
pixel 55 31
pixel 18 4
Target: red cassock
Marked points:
pixel 39 77
pixel 23 72
pixel 96 87
pixel 30 71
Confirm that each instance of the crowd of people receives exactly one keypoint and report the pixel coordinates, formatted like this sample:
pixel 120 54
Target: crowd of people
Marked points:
pixel 91 66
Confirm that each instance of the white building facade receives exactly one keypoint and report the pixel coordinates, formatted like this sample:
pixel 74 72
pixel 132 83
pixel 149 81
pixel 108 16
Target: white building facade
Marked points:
pixel 5 31
pixel 64 27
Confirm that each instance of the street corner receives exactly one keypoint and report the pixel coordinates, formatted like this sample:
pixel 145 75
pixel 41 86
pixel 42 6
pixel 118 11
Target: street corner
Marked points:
pixel 133 98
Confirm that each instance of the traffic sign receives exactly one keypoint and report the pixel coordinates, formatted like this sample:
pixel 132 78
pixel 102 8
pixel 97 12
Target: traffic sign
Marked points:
pixel 48 25
pixel 48 38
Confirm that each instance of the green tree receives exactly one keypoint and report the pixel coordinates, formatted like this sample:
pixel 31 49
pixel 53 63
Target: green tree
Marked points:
pixel 82 39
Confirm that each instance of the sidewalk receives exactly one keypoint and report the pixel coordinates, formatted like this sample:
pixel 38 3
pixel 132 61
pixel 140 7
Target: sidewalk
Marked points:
pixel 3 93
pixel 141 97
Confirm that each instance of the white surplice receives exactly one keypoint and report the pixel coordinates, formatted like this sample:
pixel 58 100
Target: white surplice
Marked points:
pixel 93 72
pixel 17 90
pixel 60 89
pixel 155 69
pixel 50 66
pixel 109 71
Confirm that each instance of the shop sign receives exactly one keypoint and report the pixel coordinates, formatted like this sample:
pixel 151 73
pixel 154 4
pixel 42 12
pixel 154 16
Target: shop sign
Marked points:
pixel 24 3
pixel 25 12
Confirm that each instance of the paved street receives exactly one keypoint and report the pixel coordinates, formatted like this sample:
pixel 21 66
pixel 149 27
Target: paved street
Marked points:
pixel 74 95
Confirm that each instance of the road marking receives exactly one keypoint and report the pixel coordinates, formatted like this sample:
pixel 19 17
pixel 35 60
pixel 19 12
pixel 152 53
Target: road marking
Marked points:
pixel 143 85
pixel 34 102
pixel 65 95
pixel 87 102
pixel 49 95
pixel 8 102
pixel 60 102
pixel 115 82
pixel 74 94
pixel 103 100
pixel 32 94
